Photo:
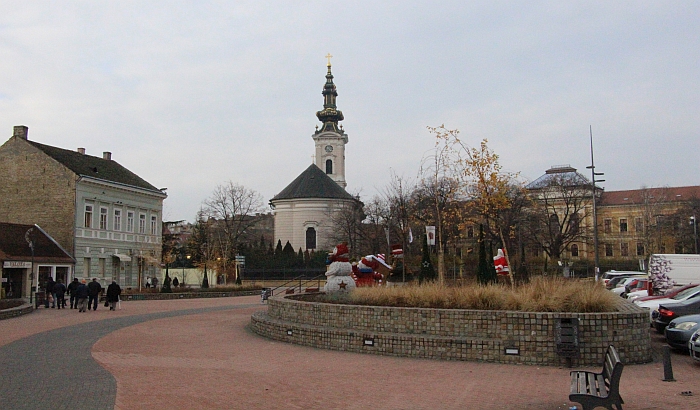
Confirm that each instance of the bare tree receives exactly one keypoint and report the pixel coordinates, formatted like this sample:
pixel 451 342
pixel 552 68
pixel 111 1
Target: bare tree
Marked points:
pixel 561 202
pixel 233 207
pixel 346 223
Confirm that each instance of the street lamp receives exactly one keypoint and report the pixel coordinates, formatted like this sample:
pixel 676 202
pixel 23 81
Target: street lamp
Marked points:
pixel 595 216
pixel 184 262
pixel 693 221
pixel 30 242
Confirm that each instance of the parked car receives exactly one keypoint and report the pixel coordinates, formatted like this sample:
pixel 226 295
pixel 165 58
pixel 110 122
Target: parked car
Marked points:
pixel 609 275
pixel 635 285
pixel 620 286
pixel 694 345
pixel 653 304
pixel 680 329
pixel 643 295
pixel 670 311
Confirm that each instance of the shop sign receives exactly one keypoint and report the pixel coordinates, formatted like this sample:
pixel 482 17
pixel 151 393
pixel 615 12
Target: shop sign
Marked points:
pixel 17 264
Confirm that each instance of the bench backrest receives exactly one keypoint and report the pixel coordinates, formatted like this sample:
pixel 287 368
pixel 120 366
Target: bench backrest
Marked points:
pixel 612 369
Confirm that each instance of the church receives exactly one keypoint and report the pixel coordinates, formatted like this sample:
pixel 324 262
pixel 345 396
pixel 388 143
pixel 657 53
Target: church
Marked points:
pixel 307 210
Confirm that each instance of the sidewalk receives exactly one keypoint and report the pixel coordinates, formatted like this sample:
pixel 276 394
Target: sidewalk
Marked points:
pixel 211 361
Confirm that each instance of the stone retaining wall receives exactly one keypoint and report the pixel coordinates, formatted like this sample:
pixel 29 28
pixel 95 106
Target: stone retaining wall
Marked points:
pixel 16 311
pixel 456 334
pixel 185 295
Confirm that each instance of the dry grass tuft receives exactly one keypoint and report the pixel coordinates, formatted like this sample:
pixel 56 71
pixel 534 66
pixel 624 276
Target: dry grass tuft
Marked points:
pixel 540 295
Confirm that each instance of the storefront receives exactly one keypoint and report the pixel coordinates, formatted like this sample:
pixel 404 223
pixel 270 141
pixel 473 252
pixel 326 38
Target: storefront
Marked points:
pixel 29 257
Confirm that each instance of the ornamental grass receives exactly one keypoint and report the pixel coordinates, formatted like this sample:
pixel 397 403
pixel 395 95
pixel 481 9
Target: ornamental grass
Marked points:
pixel 539 295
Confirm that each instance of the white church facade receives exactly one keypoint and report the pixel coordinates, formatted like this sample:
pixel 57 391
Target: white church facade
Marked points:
pixel 305 211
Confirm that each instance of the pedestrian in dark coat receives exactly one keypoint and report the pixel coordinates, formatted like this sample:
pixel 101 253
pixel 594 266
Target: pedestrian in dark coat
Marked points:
pixel 72 287
pixel 81 295
pixel 59 289
pixel 113 292
pixel 94 289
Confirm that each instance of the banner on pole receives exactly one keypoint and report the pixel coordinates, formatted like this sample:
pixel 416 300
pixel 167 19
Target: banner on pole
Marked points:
pixel 430 232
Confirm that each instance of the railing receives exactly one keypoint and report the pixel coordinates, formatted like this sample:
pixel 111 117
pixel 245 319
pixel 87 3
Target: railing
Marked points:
pixel 299 282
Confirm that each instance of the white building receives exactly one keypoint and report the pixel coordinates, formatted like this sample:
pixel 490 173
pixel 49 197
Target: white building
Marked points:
pixel 305 209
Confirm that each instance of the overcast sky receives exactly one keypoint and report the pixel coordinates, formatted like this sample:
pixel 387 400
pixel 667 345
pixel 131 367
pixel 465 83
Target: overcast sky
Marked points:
pixel 189 95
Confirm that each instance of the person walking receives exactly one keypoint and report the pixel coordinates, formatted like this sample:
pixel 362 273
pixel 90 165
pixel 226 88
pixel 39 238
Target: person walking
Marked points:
pixel 72 287
pixel 94 289
pixel 113 292
pixel 50 295
pixel 81 294
pixel 59 290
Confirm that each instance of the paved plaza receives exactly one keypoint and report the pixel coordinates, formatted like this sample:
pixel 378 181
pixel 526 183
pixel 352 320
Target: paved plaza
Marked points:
pixel 200 354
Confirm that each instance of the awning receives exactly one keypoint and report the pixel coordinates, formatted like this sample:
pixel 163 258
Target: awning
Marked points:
pixel 122 257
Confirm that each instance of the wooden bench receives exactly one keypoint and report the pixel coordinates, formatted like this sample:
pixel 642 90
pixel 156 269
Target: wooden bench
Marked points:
pixel 599 389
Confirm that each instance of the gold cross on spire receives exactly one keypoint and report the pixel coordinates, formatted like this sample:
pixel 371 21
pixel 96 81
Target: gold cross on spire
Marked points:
pixel 329 56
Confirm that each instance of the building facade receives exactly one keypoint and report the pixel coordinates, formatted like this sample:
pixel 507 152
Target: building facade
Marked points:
pixel 106 217
pixel 631 224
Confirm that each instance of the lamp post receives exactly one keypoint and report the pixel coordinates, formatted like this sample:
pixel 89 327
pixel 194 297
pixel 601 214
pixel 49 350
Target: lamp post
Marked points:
pixel 595 216
pixel 30 242
pixel 693 221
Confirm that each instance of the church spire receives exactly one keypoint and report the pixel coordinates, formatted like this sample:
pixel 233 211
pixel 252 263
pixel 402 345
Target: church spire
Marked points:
pixel 330 115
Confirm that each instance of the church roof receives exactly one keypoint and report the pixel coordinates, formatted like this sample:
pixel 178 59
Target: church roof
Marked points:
pixel 313 183
pixel 95 167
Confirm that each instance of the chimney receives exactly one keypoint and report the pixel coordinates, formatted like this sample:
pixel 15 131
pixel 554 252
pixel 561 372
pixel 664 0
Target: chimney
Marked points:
pixel 107 155
pixel 81 150
pixel 21 131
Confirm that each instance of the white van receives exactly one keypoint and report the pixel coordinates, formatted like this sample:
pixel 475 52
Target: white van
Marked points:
pixel 679 268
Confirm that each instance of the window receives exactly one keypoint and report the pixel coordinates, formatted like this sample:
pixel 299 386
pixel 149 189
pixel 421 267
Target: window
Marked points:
pixel 130 221
pixel 154 224
pixel 117 219
pixel 101 266
pixel 574 223
pixel 88 216
pixel 624 249
pixel 470 232
pixel 608 249
pixel 623 225
pixel 638 225
pixel 103 218
pixel 607 225
pixel 329 166
pixel 142 223
pixel 86 267
pixel 640 249
pixel 574 250
pixel 310 238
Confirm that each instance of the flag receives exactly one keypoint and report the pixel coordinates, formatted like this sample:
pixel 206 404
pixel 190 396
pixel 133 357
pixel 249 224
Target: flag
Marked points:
pixel 397 251
pixel 430 232
pixel 410 235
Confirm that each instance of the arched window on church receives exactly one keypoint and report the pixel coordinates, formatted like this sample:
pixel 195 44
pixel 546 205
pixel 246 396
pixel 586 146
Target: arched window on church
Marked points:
pixel 329 166
pixel 310 238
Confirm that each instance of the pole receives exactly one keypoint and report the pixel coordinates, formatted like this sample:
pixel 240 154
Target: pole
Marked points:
pixel 595 216
pixel 695 232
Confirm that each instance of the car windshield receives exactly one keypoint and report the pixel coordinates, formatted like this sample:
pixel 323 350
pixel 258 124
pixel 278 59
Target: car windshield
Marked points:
pixel 682 295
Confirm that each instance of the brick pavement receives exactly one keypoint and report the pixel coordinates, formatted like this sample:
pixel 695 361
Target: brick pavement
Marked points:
pixel 169 354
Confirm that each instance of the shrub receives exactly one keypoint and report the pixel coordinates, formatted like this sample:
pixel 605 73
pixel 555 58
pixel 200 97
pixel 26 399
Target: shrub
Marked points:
pixel 540 295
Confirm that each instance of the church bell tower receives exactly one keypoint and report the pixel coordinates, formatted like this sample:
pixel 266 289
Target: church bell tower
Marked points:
pixel 330 139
